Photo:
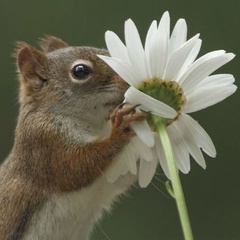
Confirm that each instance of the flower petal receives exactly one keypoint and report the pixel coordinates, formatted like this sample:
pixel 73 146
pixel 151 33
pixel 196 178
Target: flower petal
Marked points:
pixel 198 62
pixel 131 158
pixel 190 140
pixel 135 50
pixel 196 153
pixel 118 167
pixel 164 23
pixel 178 58
pixel 143 131
pixel 190 59
pixel 141 149
pixel 178 36
pixel 199 135
pixel 201 69
pixel 179 147
pixel 182 157
pixel 151 34
pixel 216 80
pixel 146 172
pixel 208 96
pixel 148 103
pixel 158 53
pixel 161 156
pixel 116 47
pixel 123 69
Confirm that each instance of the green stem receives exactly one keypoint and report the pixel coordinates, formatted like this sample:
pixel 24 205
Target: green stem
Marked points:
pixel 175 179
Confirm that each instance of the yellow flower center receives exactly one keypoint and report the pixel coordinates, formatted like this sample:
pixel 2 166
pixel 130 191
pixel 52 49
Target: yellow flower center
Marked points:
pixel 168 92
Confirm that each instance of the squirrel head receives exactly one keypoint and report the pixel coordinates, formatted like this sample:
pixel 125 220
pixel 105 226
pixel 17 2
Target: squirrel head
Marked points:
pixel 67 80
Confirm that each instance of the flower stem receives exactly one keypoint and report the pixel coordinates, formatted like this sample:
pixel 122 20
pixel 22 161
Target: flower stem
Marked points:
pixel 175 179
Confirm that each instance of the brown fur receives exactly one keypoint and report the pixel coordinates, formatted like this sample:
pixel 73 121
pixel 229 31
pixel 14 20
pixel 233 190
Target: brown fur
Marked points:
pixel 46 158
pixel 50 44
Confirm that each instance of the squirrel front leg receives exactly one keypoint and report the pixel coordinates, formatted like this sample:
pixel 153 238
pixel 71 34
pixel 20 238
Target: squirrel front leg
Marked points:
pixel 83 164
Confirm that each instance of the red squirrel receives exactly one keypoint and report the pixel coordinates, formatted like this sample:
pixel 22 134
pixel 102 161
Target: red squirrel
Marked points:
pixel 52 184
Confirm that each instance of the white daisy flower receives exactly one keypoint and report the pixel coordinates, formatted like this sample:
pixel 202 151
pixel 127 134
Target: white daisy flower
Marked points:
pixel 166 80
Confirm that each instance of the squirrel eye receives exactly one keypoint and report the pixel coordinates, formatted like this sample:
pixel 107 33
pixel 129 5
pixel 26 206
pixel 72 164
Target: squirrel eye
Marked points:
pixel 81 71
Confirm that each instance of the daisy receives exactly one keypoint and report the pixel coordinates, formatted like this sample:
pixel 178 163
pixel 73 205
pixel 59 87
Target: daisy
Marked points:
pixel 168 81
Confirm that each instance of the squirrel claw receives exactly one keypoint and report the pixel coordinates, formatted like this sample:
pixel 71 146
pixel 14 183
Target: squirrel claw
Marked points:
pixel 120 106
pixel 122 117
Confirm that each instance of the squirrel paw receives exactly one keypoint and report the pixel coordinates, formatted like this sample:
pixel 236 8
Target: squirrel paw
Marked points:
pixel 122 117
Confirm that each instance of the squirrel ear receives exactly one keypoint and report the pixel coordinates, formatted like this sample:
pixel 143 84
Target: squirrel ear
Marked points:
pixel 30 61
pixel 50 44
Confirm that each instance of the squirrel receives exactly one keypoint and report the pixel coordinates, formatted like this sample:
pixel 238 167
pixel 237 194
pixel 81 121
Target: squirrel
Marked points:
pixel 70 128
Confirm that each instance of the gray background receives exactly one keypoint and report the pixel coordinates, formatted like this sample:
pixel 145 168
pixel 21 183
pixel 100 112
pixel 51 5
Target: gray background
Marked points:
pixel 212 195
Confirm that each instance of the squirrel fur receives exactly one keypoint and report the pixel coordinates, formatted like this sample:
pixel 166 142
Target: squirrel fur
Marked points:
pixel 52 184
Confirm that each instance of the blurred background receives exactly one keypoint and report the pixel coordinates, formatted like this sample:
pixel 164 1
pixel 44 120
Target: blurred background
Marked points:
pixel 212 195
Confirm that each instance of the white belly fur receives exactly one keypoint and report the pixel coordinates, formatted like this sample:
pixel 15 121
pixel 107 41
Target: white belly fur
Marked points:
pixel 72 216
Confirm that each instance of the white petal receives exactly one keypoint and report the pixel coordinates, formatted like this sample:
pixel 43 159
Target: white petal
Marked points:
pixel 118 167
pixel 161 156
pixel 164 23
pixel 191 141
pixel 123 69
pixel 116 47
pixel 198 62
pixel 207 96
pixel 151 34
pixel 148 103
pixel 190 59
pixel 158 54
pixel 178 36
pixel 197 154
pixel 201 69
pixel 200 136
pixel 182 158
pixel 147 171
pixel 217 79
pixel 142 150
pixel 144 132
pixel 178 58
pixel 131 160
pixel 135 49
pixel 179 147
pixel 201 60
